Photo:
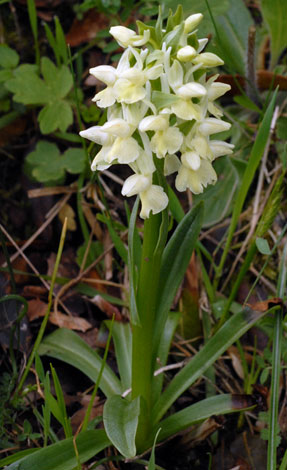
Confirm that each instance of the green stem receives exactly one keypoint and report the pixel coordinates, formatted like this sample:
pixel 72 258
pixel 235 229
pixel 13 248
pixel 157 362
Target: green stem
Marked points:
pixel 142 342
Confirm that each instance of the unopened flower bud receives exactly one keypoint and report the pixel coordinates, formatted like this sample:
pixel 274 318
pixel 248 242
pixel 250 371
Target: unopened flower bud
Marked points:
pixel 186 53
pixel 208 59
pixel 217 89
pixel 212 126
pixel 105 73
pixel 192 22
pixel 191 90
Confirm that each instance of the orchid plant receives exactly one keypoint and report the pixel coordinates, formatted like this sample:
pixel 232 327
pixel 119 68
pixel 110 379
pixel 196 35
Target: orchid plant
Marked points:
pixel 161 119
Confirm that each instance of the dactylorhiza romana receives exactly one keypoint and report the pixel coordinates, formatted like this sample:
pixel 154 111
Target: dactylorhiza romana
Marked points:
pixel 160 103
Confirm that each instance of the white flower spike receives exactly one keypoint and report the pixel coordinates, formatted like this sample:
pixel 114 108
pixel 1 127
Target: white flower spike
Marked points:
pixel 160 105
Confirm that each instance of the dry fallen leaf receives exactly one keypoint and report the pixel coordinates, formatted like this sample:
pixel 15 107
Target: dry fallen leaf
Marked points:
pixel 265 305
pixel 37 308
pixel 86 29
pixel 236 361
pixel 107 307
pixel 68 211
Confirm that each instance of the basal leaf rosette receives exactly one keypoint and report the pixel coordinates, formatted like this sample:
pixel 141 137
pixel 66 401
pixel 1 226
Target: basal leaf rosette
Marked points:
pixel 160 104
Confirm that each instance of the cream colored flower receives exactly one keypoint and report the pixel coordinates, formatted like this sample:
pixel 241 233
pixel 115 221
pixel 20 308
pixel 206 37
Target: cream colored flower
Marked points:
pixel 154 200
pixel 184 108
pixel 130 87
pixel 195 180
pixel 166 139
pixel 127 37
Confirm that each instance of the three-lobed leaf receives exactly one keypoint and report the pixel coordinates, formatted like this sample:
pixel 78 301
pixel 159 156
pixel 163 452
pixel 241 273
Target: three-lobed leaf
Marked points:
pixel 46 165
pixel 50 92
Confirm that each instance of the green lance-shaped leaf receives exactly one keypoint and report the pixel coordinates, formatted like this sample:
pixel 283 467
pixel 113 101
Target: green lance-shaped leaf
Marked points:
pixel 162 351
pixel 175 259
pixel 232 330
pixel 217 405
pixel 62 455
pixel 67 346
pixel 121 421
pixel 122 338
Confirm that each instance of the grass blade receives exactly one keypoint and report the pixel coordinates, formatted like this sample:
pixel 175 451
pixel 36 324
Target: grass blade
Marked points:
pixel 253 162
pixel 34 26
pixel 276 369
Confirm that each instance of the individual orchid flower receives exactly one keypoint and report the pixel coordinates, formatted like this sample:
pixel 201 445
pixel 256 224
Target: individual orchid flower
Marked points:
pixel 195 179
pixel 127 37
pixel 117 143
pixel 130 87
pixel 184 107
pixel 167 139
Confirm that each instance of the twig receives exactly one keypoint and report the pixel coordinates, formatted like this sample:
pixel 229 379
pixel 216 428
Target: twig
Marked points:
pixel 58 206
pixel 35 270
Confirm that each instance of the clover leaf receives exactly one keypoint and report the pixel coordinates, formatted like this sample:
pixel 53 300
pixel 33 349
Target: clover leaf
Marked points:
pixel 47 165
pixel 50 92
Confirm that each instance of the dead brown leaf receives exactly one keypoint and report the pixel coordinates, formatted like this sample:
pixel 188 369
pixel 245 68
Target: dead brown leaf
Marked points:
pixel 107 307
pixel 265 305
pixel 236 361
pixel 86 29
pixel 37 308
pixel 68 211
